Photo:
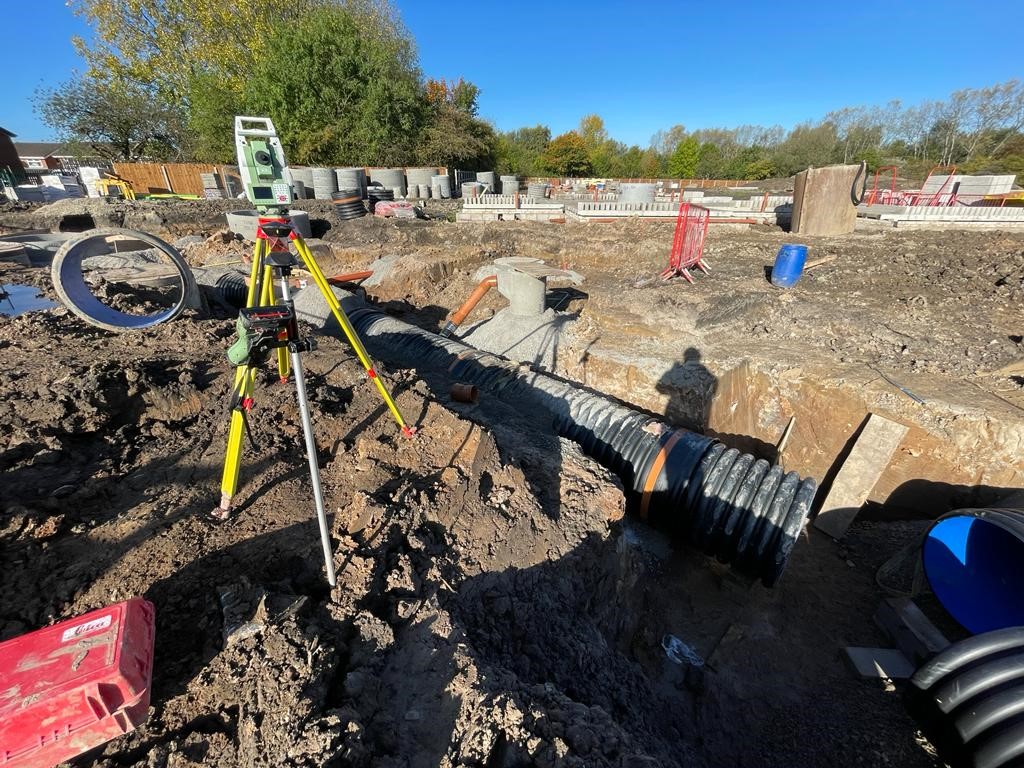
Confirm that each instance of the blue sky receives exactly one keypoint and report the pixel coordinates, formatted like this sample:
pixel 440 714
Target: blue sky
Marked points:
pixel 643 66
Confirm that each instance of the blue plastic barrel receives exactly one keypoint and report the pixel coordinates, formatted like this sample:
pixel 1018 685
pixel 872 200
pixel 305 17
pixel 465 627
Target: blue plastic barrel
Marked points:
pixel 789 265
pixel 974 562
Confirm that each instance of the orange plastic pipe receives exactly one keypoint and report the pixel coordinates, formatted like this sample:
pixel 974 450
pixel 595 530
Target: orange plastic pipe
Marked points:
pixel 474 298
pixel 349 278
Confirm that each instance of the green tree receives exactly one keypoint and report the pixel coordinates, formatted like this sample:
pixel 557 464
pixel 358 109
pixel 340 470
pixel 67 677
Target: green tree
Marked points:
pixel 806 145
pixel 454 136
pixel 115 119
pixel 709 161
pixel 665 142
pixel 651 166
pixel 456 139
pixel 520 151
pixel 630 164
pixel 166 43
pixel 567 155
pixel 592 131
pixel 683 162
pixel 337 94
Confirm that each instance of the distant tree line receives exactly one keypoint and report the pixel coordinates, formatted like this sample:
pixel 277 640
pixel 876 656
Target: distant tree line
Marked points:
pixel 977 129
pixel 341 81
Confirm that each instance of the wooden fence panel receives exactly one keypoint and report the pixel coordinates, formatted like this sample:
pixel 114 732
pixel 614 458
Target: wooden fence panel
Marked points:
pixel 185 177
pixel 145 178
pixel 157 178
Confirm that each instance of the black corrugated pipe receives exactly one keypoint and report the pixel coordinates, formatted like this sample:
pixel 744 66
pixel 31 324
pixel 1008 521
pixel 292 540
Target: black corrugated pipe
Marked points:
pixel 969 700
pixel 348 204
pixel 724 502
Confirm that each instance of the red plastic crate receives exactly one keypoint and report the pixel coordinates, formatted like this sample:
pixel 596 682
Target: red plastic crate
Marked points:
pixel 68 688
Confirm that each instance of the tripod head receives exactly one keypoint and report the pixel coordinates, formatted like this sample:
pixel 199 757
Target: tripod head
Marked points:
pixel 262 164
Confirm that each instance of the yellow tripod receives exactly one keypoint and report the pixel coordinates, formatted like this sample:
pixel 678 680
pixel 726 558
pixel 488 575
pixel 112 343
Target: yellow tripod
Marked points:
pixel 264 326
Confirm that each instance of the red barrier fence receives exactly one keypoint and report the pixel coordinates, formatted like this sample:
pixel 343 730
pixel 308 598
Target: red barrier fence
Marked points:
pixel 688 242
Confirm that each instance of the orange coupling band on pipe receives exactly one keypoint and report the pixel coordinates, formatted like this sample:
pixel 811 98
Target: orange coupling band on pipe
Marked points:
pixel 474 298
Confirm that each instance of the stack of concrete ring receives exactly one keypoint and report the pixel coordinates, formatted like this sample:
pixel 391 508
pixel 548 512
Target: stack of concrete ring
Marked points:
pixel 348 204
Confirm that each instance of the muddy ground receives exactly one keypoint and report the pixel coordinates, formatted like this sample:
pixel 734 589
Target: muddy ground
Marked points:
pixel 495 606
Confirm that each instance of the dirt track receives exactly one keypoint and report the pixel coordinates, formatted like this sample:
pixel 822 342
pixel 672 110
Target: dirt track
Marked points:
pixel 494 606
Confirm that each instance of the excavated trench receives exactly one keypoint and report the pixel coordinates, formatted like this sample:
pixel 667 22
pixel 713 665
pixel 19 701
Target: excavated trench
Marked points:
pixel 495 606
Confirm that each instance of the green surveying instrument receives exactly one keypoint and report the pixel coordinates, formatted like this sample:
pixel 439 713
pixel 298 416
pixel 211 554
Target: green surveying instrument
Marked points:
pixel 267 325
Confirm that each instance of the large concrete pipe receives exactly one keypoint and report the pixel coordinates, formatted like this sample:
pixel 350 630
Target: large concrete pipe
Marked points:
pixel 352 178
pixel 488 179
pixel 390 178
pixel 325 183
pixel 70 285
pixel 441 187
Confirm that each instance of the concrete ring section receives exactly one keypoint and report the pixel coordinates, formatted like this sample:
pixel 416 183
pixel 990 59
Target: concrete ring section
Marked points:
pixel 75 293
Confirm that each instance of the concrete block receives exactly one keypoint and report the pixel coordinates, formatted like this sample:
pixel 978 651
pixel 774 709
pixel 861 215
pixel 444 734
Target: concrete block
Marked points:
pixel 910 629
pixel 821 201
pixel 875 445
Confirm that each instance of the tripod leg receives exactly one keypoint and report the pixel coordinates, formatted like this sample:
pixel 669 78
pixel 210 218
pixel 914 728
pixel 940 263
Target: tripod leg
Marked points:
pixel 307 431
pixel 243 387
pixel 256 274
pixel 350 333
pixel 314 468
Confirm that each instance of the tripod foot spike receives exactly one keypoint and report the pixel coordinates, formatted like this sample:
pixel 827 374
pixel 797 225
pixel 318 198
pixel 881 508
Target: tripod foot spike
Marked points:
pixel 409 431
pixel 221 513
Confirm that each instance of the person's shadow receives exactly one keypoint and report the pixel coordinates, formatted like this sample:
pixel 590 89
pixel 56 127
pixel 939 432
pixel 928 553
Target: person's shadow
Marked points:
pixel 691 389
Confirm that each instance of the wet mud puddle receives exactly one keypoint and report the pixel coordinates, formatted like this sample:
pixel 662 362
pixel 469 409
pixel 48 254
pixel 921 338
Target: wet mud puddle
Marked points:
pixel 18 299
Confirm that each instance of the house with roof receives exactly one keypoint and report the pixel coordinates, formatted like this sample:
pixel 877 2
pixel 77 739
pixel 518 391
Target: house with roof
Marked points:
pixel 10 162
pixel 42 157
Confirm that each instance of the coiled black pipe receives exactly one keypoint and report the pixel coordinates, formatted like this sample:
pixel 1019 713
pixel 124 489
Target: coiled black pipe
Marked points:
pixel 348 204
pixel 376 193
pixel 723 502
pixel 969 700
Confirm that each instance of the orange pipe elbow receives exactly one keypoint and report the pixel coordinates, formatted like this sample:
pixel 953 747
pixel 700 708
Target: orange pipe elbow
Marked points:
pixel 474 298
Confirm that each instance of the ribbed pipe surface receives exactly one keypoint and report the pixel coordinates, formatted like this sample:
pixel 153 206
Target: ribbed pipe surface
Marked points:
pixel 374 194
pixel 724 502
pixel 969 700
pixel 348 204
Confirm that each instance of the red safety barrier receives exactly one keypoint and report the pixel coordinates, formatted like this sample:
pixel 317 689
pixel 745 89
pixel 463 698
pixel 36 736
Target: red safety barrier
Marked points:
pixel 881 195
pixel 688 242
pixel 72 686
